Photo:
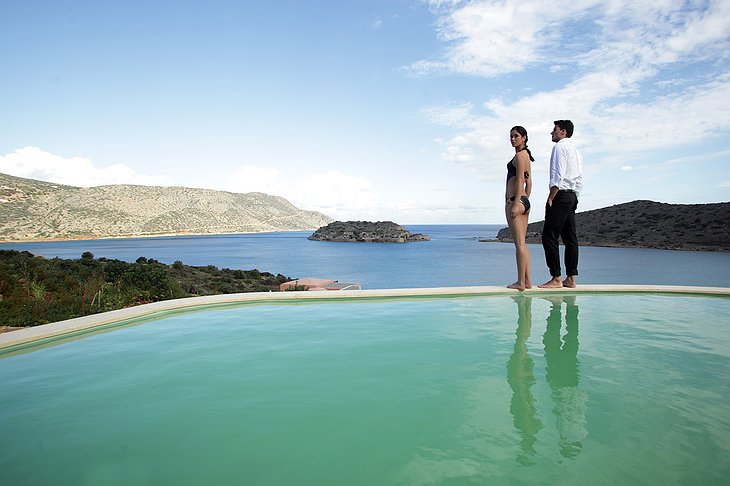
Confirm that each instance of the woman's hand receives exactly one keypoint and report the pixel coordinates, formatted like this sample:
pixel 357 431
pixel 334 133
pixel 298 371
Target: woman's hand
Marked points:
pixel 515 210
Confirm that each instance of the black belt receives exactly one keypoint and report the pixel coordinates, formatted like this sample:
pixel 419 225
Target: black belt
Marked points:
pixel 566 190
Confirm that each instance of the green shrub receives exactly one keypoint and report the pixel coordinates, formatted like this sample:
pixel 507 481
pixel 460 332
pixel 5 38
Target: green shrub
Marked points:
pixel 35 290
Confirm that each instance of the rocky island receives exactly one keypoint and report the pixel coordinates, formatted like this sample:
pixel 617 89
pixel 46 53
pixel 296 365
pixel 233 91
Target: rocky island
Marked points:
pixel 648 224
pixel 366 231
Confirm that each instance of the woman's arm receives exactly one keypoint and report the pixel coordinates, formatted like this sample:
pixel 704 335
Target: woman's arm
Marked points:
pixel 521 161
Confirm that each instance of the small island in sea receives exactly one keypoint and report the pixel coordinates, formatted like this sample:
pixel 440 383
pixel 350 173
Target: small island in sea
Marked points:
pixel 366 231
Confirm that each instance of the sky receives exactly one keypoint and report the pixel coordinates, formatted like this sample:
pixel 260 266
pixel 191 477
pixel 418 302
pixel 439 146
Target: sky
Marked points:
pixel 372 110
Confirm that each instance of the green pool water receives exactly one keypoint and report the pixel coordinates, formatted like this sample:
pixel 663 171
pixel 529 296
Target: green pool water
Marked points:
pixel 583 389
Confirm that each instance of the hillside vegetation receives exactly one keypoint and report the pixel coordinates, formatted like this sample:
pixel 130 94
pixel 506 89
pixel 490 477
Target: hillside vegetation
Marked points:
pixel 35 290
pixel 648 224
pixel 31 210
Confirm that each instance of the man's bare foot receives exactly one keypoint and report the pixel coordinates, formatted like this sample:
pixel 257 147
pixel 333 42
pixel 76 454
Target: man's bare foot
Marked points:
pixel 516 286
pixel 569 282
pixel 553 283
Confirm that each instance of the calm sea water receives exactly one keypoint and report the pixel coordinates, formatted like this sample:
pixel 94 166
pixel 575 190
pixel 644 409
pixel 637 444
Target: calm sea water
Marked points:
pixel 453 257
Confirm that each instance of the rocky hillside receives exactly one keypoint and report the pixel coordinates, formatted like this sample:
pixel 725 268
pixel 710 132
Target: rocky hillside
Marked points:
pixel 649 224
pixel 366 231
pixel 32 210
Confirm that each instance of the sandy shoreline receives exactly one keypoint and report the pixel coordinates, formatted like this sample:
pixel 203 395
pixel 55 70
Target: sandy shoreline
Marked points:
pixel 134 236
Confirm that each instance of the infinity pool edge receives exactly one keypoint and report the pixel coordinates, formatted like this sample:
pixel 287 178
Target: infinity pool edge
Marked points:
pixel 58 330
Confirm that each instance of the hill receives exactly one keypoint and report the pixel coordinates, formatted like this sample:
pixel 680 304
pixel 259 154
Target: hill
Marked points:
pixel 366 231
pixel 36 290
pixel 649 224
pixel 31 210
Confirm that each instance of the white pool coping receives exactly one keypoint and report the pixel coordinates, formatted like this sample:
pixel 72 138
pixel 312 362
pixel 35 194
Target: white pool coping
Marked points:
pixel 77 325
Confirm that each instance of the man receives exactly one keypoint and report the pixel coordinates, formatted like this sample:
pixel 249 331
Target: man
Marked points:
pixel 566 181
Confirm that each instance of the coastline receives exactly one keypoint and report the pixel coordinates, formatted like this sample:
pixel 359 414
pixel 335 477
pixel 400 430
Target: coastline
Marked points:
pixel 531 239
pixel 134 236
pixel 684 248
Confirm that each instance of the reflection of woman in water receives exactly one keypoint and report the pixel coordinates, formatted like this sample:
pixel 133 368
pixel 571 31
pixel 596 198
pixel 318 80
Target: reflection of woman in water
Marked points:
pixel 520 379
pixel 561 357
pixel 517 205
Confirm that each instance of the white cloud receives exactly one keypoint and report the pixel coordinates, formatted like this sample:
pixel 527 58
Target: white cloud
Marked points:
pixel 698 158
pixel 256 179
pixel 448 116
pixel 670 121
pixel 425 68
pixel 334 193
pixel 627 168
pixel 495 37
pixel 339 195
pixel 492 38
pixel 703 28
pixel 34 163
pixel 616 56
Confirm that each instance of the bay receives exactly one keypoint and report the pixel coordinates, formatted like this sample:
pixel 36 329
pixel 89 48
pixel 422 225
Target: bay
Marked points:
pixel 453 257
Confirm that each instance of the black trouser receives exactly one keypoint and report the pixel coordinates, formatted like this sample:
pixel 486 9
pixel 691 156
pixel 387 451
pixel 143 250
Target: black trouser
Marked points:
pixel 560 222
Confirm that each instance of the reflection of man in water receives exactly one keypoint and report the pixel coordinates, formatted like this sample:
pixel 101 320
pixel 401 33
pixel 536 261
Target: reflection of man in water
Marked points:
pixel 521 379
pixel 561 356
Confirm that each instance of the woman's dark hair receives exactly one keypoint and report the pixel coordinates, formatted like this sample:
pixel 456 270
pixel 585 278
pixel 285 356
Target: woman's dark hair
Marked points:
pixel 523 132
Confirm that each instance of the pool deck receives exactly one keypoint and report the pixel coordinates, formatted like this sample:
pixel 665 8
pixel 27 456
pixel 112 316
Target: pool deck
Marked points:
pixel 59 330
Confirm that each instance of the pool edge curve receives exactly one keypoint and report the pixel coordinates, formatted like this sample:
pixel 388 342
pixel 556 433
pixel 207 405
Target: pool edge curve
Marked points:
pixel 12 340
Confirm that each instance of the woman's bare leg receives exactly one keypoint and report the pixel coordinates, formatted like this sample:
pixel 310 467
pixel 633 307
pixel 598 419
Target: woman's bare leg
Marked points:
pixel 518 231
pixel 528 280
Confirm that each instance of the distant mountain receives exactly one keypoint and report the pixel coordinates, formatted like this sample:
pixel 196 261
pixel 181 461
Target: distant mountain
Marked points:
pixel 649 224
pixel 31 210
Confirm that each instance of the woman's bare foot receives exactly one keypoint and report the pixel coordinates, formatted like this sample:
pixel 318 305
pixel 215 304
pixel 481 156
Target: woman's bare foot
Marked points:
pixel 553 283
pixel 516 286
pixel 569 282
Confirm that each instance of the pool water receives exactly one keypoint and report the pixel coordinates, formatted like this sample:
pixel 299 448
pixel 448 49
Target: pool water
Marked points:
pixel 570 389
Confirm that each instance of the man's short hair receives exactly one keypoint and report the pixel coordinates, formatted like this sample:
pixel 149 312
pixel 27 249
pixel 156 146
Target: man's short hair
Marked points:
pixel 566 125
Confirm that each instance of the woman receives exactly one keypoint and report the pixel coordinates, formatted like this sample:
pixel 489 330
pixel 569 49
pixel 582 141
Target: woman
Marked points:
pixel 517 210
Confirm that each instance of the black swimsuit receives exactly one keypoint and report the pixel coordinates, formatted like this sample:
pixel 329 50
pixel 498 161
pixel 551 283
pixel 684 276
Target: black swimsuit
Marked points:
pixel 512 172
pixel 525 202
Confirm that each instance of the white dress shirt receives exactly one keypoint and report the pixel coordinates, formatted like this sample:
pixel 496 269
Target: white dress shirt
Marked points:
pixel 566 166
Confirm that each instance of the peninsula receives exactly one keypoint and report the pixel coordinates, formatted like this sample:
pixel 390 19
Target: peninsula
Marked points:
pixel 649 224
pixel 35 210
pixel 366 231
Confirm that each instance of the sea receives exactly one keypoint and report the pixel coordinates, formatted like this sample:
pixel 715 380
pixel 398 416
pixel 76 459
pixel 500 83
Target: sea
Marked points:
pixel 455 256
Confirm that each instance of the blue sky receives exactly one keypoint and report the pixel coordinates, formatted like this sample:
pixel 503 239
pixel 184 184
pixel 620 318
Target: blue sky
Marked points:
pixel 369 109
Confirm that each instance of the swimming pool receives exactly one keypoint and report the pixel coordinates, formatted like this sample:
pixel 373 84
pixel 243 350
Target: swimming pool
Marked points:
pixel 544 388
